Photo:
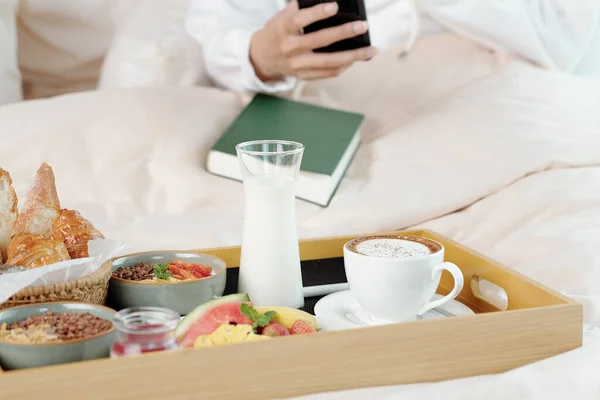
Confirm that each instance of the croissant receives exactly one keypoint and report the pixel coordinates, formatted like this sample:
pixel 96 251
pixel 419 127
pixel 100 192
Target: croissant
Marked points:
pixel 41 206
pixel 32 251
pixel 8 211
pixel 75 232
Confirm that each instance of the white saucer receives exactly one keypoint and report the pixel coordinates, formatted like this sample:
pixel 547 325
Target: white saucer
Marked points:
pixel 341 311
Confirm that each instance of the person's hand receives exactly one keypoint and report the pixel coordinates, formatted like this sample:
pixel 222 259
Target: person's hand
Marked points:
pixel 280 49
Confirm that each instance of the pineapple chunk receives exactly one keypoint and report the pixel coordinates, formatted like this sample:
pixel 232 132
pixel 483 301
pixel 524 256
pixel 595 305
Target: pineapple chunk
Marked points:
pixel 229 334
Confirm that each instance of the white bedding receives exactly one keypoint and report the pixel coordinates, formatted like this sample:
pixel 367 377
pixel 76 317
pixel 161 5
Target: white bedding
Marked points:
pixel 517 150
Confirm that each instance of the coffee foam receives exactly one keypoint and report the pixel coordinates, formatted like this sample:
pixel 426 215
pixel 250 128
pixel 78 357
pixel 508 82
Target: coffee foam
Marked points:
pixel 390 248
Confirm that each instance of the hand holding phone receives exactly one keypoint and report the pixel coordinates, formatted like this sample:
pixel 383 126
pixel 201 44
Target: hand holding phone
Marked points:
pixel 349 11
pixel 283 47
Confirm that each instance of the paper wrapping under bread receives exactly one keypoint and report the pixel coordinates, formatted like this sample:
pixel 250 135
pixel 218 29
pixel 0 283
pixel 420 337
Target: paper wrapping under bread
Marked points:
pixel 100 251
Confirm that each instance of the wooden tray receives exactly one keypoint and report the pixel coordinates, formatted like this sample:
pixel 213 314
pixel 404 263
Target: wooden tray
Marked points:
pixel 537 324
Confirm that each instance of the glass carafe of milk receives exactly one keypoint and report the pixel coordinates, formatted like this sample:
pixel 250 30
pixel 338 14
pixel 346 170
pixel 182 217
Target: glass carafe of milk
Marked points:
pixel 270 261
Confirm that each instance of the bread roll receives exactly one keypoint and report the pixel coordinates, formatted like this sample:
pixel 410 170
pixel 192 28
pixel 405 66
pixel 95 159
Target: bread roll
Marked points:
pixel 42 206
pixel 8 211
pixel 75 232
pixel 33 251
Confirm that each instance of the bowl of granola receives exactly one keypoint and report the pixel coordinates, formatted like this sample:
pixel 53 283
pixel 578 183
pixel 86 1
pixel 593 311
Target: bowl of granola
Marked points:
pixel 178 280
pixel 43 334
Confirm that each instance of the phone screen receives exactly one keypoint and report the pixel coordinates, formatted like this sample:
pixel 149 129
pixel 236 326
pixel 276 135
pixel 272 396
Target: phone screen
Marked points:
pixel 349 10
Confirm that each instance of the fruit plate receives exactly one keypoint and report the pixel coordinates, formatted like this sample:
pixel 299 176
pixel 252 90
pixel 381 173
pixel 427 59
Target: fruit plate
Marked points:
pixel 530 323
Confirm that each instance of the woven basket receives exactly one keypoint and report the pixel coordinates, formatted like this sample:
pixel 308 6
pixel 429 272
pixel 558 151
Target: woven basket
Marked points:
pixel 89 289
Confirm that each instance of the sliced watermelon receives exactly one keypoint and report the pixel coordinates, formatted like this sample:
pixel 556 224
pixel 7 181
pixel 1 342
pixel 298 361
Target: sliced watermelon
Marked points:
pixel 207 317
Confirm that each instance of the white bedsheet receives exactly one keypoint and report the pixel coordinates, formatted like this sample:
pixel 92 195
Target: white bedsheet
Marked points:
pixel 517 150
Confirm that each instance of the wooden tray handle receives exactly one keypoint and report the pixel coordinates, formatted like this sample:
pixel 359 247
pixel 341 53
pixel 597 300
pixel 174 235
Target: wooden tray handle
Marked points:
pixel 489 292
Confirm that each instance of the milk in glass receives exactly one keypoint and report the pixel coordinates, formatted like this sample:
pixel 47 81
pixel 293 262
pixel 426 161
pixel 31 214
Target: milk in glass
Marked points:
pixel 270 261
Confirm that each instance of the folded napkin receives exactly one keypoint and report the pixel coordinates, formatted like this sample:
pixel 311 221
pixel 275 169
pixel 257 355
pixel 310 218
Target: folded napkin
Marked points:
pixel 100 251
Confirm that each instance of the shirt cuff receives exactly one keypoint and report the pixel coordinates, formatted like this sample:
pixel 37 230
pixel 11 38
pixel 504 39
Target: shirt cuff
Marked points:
pixel 253 83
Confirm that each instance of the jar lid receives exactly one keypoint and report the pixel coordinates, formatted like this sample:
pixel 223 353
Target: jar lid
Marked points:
pixel 146 320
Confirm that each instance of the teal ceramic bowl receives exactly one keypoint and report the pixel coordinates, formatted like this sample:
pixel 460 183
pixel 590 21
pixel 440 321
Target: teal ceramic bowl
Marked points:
pixel 182 296
pixel 18 355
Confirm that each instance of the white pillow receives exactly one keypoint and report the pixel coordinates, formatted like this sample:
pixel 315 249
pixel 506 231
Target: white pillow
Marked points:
pixel 10 77
pixel 151 47
pixel 62 44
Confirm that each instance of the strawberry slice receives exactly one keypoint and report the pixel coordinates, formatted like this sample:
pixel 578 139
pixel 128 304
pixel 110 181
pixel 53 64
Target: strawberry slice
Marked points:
pixel 199 270
pixel 179 272
pixel 184 270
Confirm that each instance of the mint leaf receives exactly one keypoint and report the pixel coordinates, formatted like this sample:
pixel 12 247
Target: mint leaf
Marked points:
pixel 262 321
pixel 248 311
pixel 258 320
pixel 265 319
pixel 270 314
pixel 161 272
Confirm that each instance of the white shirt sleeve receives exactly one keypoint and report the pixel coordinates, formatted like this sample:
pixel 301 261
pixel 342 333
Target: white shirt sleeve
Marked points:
pixel 555 34
pixel 224 29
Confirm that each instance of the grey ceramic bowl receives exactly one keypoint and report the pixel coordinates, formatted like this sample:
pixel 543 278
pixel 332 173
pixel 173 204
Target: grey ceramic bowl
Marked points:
pixel 182 297
pixel 18 355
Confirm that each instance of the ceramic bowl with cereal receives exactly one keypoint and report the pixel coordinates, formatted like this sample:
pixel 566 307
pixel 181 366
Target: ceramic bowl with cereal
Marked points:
pixel 44 334
pixel 178 280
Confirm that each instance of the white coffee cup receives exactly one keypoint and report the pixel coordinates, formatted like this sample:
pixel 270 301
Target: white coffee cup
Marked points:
pixel 394 278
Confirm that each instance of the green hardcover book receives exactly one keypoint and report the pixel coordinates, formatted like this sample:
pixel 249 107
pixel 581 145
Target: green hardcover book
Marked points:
pixel 331 138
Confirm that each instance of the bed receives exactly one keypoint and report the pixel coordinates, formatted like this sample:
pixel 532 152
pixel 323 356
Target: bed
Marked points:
pixel 488 150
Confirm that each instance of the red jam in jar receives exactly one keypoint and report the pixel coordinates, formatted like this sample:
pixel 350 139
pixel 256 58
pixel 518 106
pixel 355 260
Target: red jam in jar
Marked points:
pixel 144 330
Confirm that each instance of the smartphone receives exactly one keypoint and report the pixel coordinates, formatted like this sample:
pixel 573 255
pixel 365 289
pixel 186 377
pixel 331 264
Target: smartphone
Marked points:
pixel 349 10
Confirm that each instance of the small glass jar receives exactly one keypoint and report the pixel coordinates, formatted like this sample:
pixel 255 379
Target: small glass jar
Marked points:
pixel 144 330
